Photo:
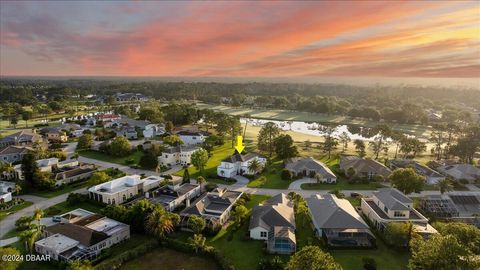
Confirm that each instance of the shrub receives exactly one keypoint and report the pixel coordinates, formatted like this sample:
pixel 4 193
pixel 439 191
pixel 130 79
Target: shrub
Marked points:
pixel 369 263
pixel 119 259
pixel 130 161
pixel 76 198
pixel 210 186
pixel 286 175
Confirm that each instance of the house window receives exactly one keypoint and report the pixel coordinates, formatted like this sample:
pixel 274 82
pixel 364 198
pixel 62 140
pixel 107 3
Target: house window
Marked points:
pixel 263 234
pixel 398 214
pixel 124 197
pixel 385 209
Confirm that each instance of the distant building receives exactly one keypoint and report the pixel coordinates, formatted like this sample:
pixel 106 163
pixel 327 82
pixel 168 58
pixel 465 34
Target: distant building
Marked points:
pixel 22 138
pixel 439 206
pixel 127 132
pixel 192 137
pixel 390 205
pixel 153 130
pixel 364 167
pixel 431 176
pixel 177 155
pixel 121 189
pixel 81 235
pixel 338 223
pixel 237 164
pixel 129 97
pixel 14 153
pixel 214 206
pixel 459 172
pixel 310 167
pixel 6 190
pixel 274 222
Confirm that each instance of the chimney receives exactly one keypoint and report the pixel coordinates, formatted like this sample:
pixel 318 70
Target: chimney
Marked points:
pixel 187 204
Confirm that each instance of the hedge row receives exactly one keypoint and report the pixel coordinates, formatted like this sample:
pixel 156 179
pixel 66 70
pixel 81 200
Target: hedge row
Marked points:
pixel 119 259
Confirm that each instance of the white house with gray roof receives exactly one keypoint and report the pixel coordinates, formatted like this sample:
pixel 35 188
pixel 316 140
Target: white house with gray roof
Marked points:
pixel 390 205
pixel 177 155
pixel 310 167
pixel 337 221
pixel 274 222
pixel 237 164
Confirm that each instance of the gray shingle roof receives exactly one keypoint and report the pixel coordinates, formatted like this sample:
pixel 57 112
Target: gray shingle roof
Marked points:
pixel 330 212
pixel 275 212
pixel 240 158
pixel 297 165
pixel 393 199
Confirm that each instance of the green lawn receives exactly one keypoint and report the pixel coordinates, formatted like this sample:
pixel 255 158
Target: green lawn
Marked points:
pixel 385 257
pixel 62 190
pixel 340 185
pixel 273 175
pixel 355 201
pixel 14 209
pixel 218 154
pixel 65 207
pixel 136 155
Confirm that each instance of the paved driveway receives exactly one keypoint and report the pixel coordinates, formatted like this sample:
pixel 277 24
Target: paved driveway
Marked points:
pixel 296 185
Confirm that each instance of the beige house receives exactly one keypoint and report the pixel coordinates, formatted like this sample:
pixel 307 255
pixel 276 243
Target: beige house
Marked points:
pixel 121 189
pixel 177 155
pixel 364 167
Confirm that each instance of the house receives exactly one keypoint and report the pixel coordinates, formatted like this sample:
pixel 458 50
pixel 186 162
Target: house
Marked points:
pixel 459 172
pixel 274 222
pixel 214 206
pixel 390 205
pixel 438 206
pixel 127 132
pixel 54 166
pixel 125 121
pixel 431 176
pixel 14 153
pixel 81 235
pixel 192 137
pixel 107 118
pixel 171 196
pixel 121 189
pixel 237 164
pixel 128 97
pixel 22 138
pixel 177 155
pixel 6 190
pixel 57 136
pixel 68 175
pixel 337 222
pixel 152 130
pixel 364 167
pixel 310 167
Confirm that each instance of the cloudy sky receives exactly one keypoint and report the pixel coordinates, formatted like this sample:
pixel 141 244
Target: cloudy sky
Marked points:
pixel 262 39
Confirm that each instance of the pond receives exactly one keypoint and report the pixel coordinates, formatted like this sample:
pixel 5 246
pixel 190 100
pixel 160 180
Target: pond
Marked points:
pixel 354 132
pixel 161 258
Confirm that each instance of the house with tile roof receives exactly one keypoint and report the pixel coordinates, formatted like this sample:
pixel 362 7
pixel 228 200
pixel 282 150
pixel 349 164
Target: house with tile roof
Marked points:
pixel 237 164
pixel 337 222
pixel 274 222
pixel 390 205
pixel 22 138
pixel 364 167
pixel 310 167
pixel 14 153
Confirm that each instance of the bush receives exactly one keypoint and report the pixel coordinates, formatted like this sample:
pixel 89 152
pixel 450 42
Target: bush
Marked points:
pixel 286 175
pixel 119 259
pixel 210 186
pixel 76 198
pixel 130 161
pixel 23 223
pixel 369 263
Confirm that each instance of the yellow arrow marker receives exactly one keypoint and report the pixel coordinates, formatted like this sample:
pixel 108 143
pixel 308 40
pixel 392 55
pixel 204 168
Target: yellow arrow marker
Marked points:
pixel 239 147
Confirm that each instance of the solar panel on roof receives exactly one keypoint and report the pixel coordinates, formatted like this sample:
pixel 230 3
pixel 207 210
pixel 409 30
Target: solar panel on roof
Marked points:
pixel 467 199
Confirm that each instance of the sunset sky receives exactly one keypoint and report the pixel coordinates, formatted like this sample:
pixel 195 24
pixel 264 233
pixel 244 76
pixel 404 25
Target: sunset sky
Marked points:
pixel 233 39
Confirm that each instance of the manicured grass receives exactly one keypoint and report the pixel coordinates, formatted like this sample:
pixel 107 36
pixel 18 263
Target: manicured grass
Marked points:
pixel 304 233
pixel 273 176
pixel 65 207
pixel 385 257
pixel 14 209
pixel 355 201
pixel 218 154
pixel 61 190
pixel 340 185
pixel 11 233
pixel 220 181
pixel 136 155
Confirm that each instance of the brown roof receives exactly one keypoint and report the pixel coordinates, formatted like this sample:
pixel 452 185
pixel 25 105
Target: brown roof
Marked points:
pixel 88 219
pixel 84 235
pixel 13 149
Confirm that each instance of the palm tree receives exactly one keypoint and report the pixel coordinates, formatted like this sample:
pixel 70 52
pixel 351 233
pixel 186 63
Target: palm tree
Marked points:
pixel 198 242
pixel 445 185
pixel 201 181
pixel 37 215
pixel 160 222
pixel 302 211
pixel 318 177
pixel 18 188
pixel 34 234
pixel 254 166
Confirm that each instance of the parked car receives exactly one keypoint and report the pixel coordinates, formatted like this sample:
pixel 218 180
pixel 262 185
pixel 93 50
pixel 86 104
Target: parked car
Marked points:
pixel 56 218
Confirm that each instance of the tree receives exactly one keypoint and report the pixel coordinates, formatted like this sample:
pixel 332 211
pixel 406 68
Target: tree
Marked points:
pixel 445 185
pixel 266 137
pixel 350 173
pixel 43 181
pixel 412 146
pixel 99 178
pixel 286 175
pixel 197 241
pixel 186 176
pixel 18 188
pixel 120 147
pixel 160 222
pixel 201 181
pixel 169 127
pixel 274 264
pixel 379 142
pixel 467 235
pixel 441 252
pixel 29 168
pixel 9 264
pixel 360 148
pixel 398 234
pixel 344 140
pixel 199 159
pixel 14 121
pixel 37 215
pixel 79 265
pixel 284 147
pixel 85 141
pixel 172 140
pixel 329 145
pixel 407 180
pixel 196 224
pixel 26 115
pixel 239 214
pixel 254 166
pixel 312 258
